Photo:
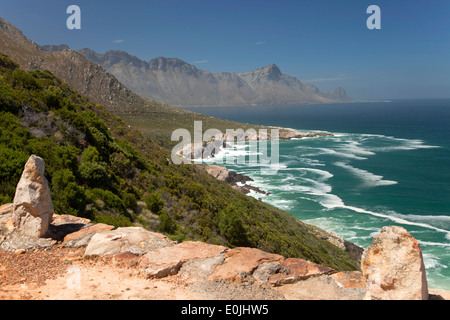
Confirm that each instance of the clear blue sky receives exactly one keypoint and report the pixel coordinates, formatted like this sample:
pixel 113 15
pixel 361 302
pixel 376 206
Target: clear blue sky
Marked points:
pixel 325 42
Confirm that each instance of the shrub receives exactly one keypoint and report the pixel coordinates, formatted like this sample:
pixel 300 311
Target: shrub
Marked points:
pixel 110 200
pixel 90 154
pixel 231 227
pixel 154 202
pixel 166 223
pixel 68 196
pixel 94 174
pixel 23 80
pixel 116 221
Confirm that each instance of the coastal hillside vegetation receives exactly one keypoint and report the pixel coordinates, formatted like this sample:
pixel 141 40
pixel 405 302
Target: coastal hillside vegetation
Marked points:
pixel 99 168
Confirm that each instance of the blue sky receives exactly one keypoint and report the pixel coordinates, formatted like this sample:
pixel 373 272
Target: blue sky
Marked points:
pixel 324 42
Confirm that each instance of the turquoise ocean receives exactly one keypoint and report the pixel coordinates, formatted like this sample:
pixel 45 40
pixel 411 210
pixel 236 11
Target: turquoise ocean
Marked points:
pixel 387 163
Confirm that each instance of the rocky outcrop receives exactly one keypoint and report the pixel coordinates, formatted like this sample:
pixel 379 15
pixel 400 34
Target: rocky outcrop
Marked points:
pixel 393 267
pixel 349 285
pixel 354 250
pixel 293 270
pixel 235 180
pixel 33 207
pixel 242 262
pixel 129 239
pixel 168 260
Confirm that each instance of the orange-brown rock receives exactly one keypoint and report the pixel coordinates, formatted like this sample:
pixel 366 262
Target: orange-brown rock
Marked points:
pixel 240 262
pixel 6 209
pixel 293 270
pixel 168 260
pixel 349 279
pixel 63 219
pixel 99 227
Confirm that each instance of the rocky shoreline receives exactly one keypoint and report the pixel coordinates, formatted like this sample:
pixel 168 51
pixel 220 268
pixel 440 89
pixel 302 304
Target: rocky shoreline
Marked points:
pixel 235 180
pixel 198 150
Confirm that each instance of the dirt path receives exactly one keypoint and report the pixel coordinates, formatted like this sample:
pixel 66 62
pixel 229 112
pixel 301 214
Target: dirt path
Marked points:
pixel 65 274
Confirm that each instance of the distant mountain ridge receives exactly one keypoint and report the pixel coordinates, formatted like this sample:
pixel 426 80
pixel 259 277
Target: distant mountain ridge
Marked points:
pixel 176 82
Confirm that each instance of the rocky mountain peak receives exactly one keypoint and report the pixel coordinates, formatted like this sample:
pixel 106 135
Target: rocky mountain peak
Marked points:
pixel 55 48
pixel 170 64
pixel 338 94
pixel 270 72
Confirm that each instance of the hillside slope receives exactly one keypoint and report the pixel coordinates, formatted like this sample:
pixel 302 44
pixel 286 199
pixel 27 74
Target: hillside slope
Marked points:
pixel 99 168
pixel 155 119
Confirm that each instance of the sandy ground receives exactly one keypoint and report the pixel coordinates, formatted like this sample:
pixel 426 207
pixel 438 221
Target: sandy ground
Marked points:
pixel 99 283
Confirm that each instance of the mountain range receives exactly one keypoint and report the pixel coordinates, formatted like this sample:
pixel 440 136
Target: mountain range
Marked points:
pixel 176 82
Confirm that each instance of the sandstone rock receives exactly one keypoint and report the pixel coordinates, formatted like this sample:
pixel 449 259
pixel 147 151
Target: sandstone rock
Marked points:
pixel 393 267
pixel 293 270
pixel 6 209
pixel 132 239
pixel 265 270
pixel 33 207
pixel 338 286
pixel 168 261
pixel 62 219
pixel 218 172
pixel 241 262
pixel 62 225
pixel 197 270
pixel 95 228
pixel 349 279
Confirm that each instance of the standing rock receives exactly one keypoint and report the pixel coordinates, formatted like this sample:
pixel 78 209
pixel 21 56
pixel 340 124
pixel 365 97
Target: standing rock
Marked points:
pixel 33 207
pixel 393 267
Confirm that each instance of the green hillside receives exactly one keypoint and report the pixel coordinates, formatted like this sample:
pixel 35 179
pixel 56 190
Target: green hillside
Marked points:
pixel 99 168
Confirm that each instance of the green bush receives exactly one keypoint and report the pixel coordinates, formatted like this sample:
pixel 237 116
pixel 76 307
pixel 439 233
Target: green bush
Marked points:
pixel 94 174
pixel 154 202
pixel 231 227
pixel 23 80
pixel 90 154
pixel 8 102
pixel 110 200
pixel 166 223
pixel 116 221
pixel 68 196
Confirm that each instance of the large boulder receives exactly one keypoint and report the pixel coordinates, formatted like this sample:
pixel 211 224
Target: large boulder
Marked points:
pixel 292 270
pixel 33 206
pixel 393 267
pixel 136 240
pixel 167 261
pixel 348 285
pixel 241 263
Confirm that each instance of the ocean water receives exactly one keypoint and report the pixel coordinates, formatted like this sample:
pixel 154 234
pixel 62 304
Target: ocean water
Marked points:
pixel 388 163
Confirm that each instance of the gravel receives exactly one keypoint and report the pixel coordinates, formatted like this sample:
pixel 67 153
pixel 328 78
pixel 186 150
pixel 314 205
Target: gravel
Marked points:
pixel 34 266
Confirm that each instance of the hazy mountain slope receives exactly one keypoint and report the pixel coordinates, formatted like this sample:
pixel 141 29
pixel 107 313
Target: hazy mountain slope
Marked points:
pixel 176 82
